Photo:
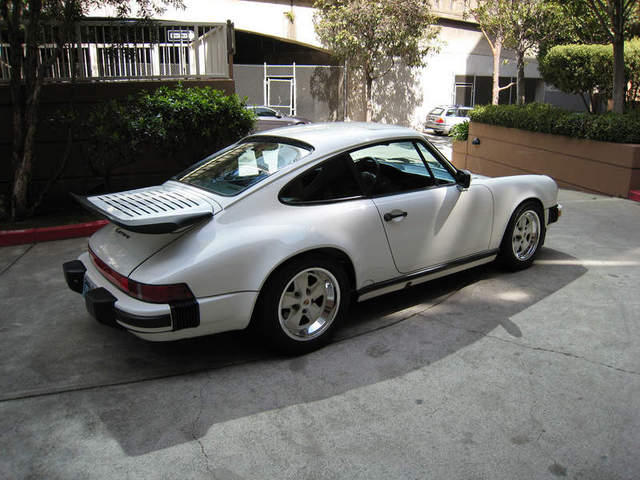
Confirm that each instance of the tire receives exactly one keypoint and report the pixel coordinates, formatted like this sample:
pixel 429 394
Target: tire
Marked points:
pixel 523 237
pixel 303 303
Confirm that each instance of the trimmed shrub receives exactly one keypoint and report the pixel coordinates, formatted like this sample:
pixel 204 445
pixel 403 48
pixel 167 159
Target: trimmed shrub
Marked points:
pixel 183 123
pixel 588 69
pixel 543 118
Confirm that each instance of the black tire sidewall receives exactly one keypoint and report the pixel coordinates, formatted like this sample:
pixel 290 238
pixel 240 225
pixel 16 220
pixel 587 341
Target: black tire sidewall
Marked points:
pixel 506 255
pixel 268 320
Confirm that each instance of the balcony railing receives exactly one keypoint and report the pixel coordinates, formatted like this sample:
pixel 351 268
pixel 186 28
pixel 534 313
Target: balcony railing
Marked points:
pixel 132 49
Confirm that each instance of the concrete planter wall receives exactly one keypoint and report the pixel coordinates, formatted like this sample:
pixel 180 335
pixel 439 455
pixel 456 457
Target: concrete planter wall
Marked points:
pixel 587 165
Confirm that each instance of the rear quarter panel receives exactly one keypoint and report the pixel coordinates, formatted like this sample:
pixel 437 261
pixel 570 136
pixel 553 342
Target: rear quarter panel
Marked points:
pixel 238 249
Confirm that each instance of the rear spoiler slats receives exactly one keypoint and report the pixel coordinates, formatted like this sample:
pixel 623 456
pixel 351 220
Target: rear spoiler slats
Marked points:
pixel 153 210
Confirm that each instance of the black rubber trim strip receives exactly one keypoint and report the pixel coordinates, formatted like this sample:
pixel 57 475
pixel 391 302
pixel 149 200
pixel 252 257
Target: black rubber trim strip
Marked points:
pixel 553 214
pixel 427 271
pixel 278 139
pixel 142 321
pixel 152 228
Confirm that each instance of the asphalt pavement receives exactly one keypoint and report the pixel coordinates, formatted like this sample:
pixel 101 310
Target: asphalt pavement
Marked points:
pixel 480 375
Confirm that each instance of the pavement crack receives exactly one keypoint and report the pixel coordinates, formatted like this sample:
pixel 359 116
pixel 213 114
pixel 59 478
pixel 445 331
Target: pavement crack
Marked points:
pixel 17 259
pixel 540 349
pixel 196 421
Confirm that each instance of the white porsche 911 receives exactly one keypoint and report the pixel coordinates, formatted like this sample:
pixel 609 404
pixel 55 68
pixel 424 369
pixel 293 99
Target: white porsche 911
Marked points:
pixel 280 231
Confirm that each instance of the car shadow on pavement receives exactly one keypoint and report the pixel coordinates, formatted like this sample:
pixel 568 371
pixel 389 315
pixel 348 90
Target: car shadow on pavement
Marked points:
pixel 67 369
pixel 384 338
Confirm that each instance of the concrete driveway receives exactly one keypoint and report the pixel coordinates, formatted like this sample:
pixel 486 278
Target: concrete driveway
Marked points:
pixel 481 375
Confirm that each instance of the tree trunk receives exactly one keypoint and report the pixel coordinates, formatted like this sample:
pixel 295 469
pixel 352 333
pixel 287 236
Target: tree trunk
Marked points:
pixel 25 105
pixel 619 84
pixel 520 78
pixel 497 51
pixel 368 86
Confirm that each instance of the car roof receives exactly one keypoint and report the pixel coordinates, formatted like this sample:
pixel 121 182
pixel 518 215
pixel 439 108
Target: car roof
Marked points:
pixel 333 136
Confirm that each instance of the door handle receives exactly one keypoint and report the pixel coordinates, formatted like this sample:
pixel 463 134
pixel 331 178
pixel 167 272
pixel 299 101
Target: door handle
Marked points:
pixel 390 216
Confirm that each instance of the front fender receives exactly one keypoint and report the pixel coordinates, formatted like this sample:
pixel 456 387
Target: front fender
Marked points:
pixel 509 192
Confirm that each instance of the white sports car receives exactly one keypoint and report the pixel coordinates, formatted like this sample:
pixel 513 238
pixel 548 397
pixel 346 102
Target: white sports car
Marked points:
pixel 281 231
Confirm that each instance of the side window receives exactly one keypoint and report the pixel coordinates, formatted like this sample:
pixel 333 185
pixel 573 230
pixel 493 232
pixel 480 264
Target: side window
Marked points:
pixel 391 168
pixel 451 112
pixel 265 112
pixel 440 172
pixel 330 180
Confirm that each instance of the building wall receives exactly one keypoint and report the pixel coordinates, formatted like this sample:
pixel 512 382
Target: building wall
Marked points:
pixel 265 17
pixel 405 96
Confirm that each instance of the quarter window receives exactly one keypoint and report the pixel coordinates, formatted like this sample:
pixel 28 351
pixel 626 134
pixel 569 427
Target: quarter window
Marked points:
pixel 332 180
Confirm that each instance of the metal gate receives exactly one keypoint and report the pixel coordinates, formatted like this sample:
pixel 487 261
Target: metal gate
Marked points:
pixel 280 87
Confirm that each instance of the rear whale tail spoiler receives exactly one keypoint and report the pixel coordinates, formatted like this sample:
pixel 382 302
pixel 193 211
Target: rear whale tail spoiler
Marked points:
pixel 154 210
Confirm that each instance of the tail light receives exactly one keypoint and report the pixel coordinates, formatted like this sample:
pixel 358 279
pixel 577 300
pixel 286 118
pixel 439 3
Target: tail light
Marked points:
pixel 440 120
pixel 142 291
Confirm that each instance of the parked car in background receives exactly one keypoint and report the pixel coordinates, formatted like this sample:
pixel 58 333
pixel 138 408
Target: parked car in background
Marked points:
pixel 442 118
pixel 269 118
pixel 282 231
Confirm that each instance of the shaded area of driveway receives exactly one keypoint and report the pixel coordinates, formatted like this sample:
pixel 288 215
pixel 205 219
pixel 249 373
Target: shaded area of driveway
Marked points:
pixel 482 374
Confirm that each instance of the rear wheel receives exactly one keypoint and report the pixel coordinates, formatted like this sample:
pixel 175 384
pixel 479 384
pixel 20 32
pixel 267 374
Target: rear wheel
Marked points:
pixel 302 304
pixel 523 237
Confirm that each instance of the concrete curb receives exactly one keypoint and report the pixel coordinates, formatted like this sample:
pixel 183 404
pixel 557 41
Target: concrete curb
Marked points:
pixel 46 234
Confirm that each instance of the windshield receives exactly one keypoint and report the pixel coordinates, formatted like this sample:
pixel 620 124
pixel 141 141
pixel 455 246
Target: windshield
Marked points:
pixel 242 166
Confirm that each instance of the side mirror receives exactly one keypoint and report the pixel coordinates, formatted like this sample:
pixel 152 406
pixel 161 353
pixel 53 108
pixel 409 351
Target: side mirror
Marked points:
pixel 278 115
pixel 463 178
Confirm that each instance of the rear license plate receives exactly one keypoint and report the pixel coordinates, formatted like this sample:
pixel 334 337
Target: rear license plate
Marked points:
pixel 87 285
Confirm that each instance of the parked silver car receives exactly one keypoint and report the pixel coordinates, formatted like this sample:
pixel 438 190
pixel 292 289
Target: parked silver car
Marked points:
pixel 442 118
pixel 269 118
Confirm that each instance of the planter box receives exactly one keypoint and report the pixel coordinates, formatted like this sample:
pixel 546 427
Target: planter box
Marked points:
pixel 587 165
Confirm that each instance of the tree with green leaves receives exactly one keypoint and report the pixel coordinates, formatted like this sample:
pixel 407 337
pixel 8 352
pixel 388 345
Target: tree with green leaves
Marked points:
pixel 516 24
pixel 29 24
pixel 615 20
pixel 374 35
pixel 490 15
pixel 586 70
pixel 527 23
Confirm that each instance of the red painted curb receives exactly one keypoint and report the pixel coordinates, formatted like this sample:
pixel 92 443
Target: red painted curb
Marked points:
pixel 46 234
pixel 634 195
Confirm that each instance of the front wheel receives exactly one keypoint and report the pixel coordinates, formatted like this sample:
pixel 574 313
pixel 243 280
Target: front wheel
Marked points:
pixel 523 238
pixel 303 303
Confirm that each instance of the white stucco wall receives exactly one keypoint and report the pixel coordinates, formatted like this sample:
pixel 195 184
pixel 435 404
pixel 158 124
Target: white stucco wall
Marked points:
pixel 256 16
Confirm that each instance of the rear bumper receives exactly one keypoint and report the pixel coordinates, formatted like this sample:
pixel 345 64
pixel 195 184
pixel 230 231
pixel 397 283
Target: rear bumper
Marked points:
pixel 103 304
pixel 157 322
pixel 440 127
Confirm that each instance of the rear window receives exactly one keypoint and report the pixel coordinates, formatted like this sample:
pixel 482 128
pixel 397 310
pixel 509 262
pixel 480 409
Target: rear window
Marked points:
pixel 242 166
pixel 436 111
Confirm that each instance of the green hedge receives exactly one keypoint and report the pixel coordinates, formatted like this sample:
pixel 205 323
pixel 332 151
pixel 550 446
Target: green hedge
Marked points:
pixel 543 118
pixel 181 124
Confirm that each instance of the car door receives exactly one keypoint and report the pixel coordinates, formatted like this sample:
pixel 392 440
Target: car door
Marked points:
pixel 428 218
